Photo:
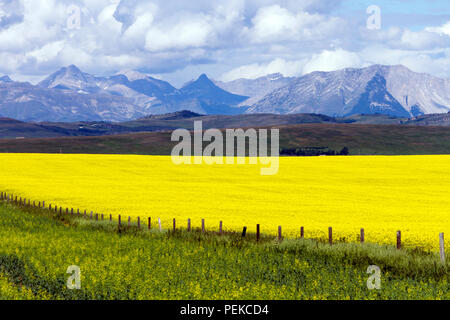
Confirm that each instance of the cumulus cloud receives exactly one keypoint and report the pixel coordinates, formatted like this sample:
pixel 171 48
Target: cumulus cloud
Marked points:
pixel 443 30
pixel 256 70
pixel 274 23
pixel 11 12
pixel 329 60
pixel 423 40
pixel 227 39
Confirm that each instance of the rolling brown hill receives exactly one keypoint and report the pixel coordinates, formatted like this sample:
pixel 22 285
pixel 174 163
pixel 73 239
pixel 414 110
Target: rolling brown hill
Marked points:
pixel 359 138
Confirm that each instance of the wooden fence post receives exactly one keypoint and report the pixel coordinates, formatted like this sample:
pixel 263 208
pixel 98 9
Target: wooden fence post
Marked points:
pixel 244 232
pixel 442 247
pixel 110 217
pixel 220 227
pixel 129 221
pixel 399 239
pixel 85 214
pixel 330 235
pixel 279 233
pixel 139 222
pixel 189 225
pixel 257 232
pixel 203 225
pixel 149 223
pixel 302 232
pixel 174 225
pixel 362 237
pixel 119 220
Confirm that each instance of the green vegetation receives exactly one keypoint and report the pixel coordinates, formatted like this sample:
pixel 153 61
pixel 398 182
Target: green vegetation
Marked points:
pixel 313 151
pixel 37 246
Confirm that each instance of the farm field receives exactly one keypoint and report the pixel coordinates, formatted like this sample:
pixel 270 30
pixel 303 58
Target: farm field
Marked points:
pixel 36 248
pixel 381 194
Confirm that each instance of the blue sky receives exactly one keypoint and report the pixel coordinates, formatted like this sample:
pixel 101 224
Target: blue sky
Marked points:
pixel 177 40
pixel 415 14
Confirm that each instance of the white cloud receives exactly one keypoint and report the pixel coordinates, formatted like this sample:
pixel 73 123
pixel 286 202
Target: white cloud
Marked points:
pixel 48 51
pixel 195 32
pixel 234 38
pixel 255 70
pixel 443 30
pixel 332 60
pixel 421 40
pixel 275 23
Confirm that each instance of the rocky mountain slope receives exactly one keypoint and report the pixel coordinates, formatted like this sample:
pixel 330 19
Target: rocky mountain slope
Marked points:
pixel 72 95
pixel 392 90
pixel 256 89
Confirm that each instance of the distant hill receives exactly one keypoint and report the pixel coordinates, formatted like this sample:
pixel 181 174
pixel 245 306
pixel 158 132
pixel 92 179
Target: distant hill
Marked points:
pixel 182 119
pixel 360 139
pixel 430 120
pixel 184 114
pixel 10 128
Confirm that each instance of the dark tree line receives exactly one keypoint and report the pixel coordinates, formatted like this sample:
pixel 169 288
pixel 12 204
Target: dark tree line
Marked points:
pixel 314 151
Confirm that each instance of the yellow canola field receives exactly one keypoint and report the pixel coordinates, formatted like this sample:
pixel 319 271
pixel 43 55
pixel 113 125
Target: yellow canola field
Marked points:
pixel 380 194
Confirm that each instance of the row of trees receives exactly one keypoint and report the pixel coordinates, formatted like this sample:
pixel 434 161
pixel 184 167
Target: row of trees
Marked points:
pixel 314 151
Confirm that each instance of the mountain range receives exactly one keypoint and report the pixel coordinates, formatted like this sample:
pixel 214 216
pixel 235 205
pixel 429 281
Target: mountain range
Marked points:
pixel 72 95
pixel 392 90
